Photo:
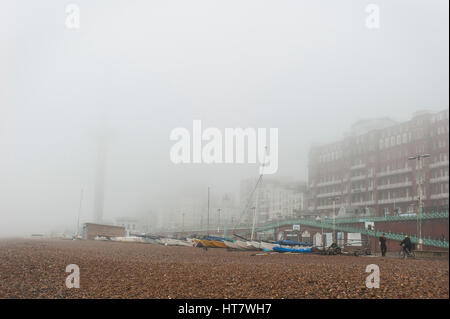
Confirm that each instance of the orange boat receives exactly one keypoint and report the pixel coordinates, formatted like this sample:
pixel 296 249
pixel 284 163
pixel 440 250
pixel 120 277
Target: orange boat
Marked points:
pixel 209 243
pixel 218 244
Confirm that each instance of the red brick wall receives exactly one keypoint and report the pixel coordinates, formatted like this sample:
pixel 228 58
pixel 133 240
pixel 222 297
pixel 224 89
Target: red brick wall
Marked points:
pixel 94 230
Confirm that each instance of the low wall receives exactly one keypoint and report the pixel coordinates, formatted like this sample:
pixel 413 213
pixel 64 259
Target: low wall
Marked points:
pixel 426 254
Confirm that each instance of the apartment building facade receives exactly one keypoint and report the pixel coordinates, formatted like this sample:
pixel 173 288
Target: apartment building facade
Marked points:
pixel 370 167
pixel 273 199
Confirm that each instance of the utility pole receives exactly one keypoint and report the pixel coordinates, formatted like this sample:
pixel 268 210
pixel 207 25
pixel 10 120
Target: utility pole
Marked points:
pixel 201 223
pixel 182 225
pixel 208 213
pixel 321 237
pixel 218 222
pixel 419 165
pixel 334 199
pixel 79 212
pixel 232 221
pixel 394 209
pixel 100 174
pixel 334 222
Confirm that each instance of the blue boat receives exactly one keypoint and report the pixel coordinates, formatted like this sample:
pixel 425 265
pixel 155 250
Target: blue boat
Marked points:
pixel 291 250
pixel 218 238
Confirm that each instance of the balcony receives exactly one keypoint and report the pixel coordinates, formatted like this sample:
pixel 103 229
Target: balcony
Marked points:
pixel 357 166
pixel 364 203
pixel 395 172
pixel 328 206
pixel 358 178
pixel 439 179
pixel 396 185
pixel 328 194
pixel 439 164
pixel 396 200
pixel 439 196
pixel 334 182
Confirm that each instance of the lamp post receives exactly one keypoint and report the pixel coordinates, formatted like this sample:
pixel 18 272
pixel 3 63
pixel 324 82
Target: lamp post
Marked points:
pixel 208 214
pixel 334 199
pixel 79 212
pixel 182 225
pixel 419 165
pixel 322 241
pixel 218 222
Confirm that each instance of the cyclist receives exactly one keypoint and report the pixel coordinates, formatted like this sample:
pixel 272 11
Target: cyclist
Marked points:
pixel 406 245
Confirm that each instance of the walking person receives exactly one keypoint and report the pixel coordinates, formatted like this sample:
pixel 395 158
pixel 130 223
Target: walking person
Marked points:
pixel 383 245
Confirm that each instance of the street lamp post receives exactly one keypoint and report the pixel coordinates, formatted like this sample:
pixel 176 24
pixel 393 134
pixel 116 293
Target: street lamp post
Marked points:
pixel 323 241
pixel 419 158
pixel 334 199
pixel 208 214
pixel 218 223
pixel 79 211
pixel 182 226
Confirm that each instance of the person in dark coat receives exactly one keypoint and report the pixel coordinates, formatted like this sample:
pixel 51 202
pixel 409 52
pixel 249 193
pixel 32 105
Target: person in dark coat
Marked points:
pixel 383 245
pixel 406 244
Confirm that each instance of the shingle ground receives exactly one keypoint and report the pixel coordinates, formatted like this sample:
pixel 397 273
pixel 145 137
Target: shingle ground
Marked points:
pixel 35 268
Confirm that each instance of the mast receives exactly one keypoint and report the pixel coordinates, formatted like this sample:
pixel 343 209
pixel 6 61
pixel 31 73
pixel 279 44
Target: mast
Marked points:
pixel 100 178
pixel 79 212
pixel 255 215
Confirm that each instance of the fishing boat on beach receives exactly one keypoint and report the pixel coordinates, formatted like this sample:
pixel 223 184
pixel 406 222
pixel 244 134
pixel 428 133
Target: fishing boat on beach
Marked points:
pixel 212 242
pixel 244 245
pixel 292 250
pixel 174 242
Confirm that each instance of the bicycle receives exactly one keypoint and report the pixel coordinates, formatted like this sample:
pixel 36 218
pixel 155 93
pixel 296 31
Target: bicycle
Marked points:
pixel 406 253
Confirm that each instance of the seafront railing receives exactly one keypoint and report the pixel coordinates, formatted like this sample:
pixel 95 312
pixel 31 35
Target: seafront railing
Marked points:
pixel 328 224
pixel 341 224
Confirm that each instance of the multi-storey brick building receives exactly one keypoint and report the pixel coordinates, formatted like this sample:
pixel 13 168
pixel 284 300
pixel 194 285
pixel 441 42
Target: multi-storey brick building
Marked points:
pixel 369 168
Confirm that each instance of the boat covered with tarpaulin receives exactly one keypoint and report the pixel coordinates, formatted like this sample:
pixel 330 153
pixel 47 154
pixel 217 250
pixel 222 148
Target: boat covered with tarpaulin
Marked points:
pixel 292 250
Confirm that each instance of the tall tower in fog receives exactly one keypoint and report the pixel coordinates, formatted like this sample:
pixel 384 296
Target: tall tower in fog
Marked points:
pixel 100 171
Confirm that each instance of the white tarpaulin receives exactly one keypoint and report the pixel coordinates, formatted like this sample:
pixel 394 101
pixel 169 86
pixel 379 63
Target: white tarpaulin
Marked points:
pixel 317 240
pixel 354 239
pixel 328 239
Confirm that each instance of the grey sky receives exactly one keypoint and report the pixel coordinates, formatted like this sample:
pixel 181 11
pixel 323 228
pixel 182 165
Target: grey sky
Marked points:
pixel 309 68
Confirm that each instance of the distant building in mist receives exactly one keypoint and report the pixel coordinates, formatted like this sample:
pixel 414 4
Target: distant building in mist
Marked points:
pixel 191 212
pixel 274 198
pixel 146 223
pixel 369 170
pixel 92 230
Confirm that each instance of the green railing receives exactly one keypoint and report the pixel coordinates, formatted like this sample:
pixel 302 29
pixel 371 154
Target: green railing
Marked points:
pixel 351 229
pixel 328 224
pixel 425 216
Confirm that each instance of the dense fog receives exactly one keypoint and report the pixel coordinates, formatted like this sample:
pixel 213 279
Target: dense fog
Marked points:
pixel 135 70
